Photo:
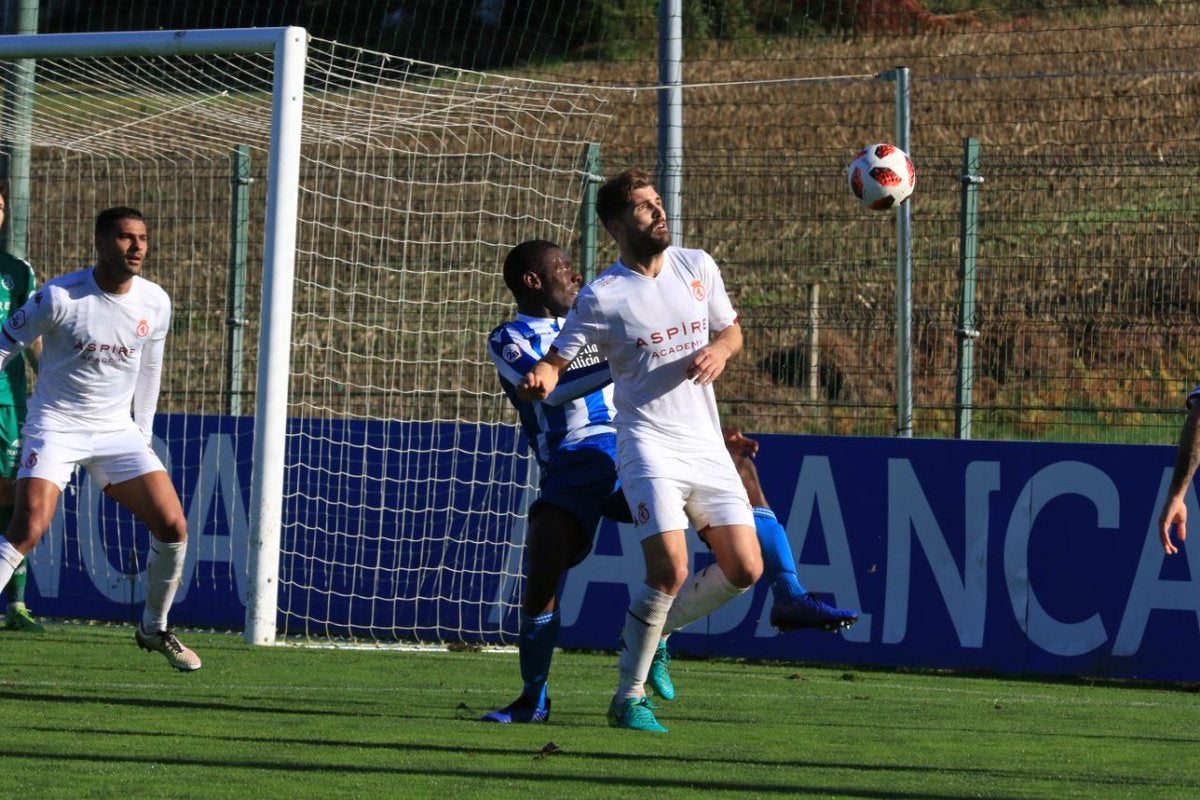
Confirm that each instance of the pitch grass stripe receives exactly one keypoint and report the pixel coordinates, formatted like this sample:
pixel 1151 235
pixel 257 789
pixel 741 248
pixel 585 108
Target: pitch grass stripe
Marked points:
pixel 274 722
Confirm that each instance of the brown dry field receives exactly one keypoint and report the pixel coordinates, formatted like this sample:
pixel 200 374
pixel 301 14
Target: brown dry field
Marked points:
pixel 1087 233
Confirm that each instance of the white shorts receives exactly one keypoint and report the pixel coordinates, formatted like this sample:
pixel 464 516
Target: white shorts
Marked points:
pixel 110 457
pixel 671 491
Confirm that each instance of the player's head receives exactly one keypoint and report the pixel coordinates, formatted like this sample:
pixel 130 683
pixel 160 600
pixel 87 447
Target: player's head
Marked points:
pixel 632 212
pixel 541 278
pixel 121 241
pixel 108 219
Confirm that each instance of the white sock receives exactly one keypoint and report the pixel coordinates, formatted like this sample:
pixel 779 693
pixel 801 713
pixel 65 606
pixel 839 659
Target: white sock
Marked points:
pixel 639 639
pixel 10 559
pixel 164 569
pixel 704 593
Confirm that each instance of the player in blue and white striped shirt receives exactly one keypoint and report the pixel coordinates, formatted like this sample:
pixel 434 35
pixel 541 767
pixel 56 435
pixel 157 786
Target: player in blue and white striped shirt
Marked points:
pixel 570 433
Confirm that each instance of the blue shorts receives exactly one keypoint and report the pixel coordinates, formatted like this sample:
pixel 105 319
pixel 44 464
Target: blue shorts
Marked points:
pixel 583 481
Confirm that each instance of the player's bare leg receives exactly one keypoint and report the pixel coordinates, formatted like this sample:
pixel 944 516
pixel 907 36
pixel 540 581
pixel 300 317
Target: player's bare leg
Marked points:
pixel 554 541
pixel 666 558
pixel 793 607
pixel 35 501
pixel 153 500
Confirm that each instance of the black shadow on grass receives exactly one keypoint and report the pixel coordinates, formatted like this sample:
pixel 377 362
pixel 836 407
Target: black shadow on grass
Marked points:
pixel 638 782
pixel 458 750
pixel 140 702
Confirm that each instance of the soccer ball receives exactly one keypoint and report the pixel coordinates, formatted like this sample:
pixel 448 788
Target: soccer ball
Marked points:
pixel 881 176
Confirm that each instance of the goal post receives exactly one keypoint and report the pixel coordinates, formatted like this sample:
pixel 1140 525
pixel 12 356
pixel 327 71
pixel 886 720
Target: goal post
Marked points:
pixel 288 46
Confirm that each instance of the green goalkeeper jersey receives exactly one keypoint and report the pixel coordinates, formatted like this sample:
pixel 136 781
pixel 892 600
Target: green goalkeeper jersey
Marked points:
pixel 17 283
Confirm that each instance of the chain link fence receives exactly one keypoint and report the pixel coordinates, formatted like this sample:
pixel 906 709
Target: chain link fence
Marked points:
pixel 1087 236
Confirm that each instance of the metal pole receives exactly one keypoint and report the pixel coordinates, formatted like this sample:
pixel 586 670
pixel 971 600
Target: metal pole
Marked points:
pixel 670 113
pixel 235 318
pixel 587 211
pixel 812 343
pixel 967 333
pixel 904 310
pixel 18 103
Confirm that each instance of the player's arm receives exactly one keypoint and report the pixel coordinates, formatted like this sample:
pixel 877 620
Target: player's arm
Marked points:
pixel 575 383
pixel 145 392
pixel 33 353
pixel 24 327
pixel 1187 458
pixel 738 443
pixel 710 360
pixel 540 381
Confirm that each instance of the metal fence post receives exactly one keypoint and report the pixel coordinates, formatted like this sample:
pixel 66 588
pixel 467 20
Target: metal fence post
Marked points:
pixel 23 18
pixel 967 333
pixel 592 177
pixel 904 275
pixel 235 318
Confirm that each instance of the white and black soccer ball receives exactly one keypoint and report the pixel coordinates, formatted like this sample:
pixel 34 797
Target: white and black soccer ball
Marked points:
pixel 881 176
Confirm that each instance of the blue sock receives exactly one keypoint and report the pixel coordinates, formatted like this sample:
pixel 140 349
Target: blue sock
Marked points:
pixel 538 636
pixel 779 565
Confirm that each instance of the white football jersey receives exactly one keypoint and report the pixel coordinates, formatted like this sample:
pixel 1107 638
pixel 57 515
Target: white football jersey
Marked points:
pixel 95 348
pixel 650 329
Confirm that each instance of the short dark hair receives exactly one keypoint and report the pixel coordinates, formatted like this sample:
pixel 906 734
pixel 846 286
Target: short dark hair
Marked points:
pixel 528 256
pixel 106 220
pixel 614 196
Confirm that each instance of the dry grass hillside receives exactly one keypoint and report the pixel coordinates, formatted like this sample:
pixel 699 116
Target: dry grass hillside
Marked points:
pixel 1086 124
pixel 1086 231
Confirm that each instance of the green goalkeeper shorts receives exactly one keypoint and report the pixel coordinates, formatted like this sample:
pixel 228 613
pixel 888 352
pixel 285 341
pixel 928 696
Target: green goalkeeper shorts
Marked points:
pixel 11 420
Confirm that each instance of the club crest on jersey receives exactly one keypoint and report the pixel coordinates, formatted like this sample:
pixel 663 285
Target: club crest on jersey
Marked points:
pixel 511 352
pixel 7 282
pixel 143 328
pixel 698 289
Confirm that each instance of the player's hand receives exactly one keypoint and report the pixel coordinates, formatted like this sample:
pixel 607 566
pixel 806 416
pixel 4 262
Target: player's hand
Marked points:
pixel 738 443
pixel 708 364
pixel 532 387
pixel 1174 515
pixel 538 382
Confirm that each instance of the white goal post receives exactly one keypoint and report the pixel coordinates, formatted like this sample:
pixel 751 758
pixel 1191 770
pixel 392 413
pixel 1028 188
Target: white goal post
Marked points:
pixel 387 483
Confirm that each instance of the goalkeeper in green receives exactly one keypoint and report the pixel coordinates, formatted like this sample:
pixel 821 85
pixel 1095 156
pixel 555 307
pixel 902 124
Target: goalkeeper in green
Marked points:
pixel 17 282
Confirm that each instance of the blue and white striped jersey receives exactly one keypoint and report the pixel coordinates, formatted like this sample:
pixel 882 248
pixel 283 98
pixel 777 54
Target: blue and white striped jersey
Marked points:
pixel 580 407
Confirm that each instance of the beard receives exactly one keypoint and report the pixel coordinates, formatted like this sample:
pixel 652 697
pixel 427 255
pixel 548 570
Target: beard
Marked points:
pixel 647 244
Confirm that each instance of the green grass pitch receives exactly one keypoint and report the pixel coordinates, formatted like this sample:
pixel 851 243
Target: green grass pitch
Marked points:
pixel 87 714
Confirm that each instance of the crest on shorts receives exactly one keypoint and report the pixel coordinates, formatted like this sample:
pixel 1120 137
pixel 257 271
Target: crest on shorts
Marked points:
pixel 31 459
pixel 643 514
pixel 698 289
pixel 17 320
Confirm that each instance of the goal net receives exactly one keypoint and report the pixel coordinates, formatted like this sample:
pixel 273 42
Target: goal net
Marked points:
pixel 403 481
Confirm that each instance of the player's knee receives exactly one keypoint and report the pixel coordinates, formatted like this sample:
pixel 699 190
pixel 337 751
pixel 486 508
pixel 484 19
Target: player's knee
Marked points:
pixel 745 571
pixel 667 577
pixel 171 529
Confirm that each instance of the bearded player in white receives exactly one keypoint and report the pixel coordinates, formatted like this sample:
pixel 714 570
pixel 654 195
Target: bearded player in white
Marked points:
pixel 661 317
pixel 103 330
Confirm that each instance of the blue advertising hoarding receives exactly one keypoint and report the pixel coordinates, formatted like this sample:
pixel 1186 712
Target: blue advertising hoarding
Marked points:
pixel 979 555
